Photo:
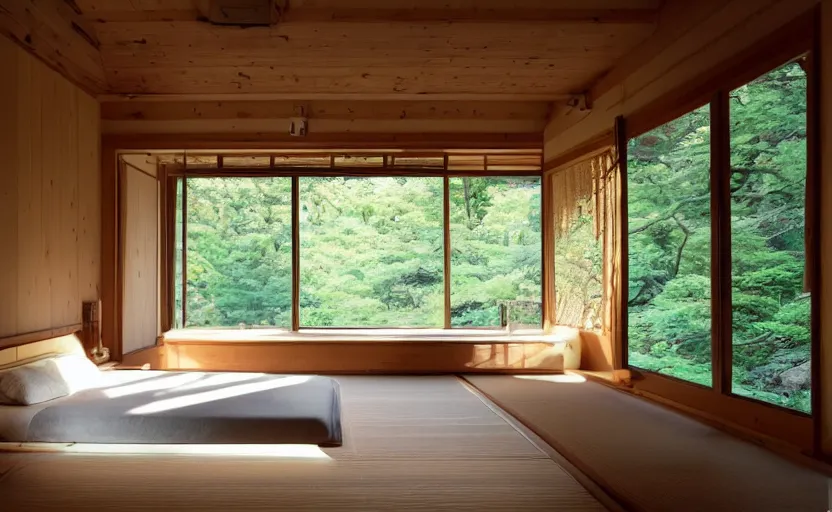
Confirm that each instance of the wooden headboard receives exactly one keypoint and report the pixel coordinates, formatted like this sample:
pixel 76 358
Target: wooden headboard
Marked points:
pixel 29 346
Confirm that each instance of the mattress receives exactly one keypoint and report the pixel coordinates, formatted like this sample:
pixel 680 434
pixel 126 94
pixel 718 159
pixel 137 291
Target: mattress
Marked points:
pixel 132 406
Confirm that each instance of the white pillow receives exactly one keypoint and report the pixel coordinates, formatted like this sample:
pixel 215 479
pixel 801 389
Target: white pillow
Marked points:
pixel 78 372
pixel 32 383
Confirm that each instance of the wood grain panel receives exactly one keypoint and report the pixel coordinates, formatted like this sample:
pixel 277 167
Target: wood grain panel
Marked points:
pixel 197 126
pixel 50 146
pixel 34 300
pixel 50 30
pixel 365 357
pixel 236 79
pixel 825 233
pixel 139 239
pixel 548 50
pixel 246 116
pixel 89 198
pixel 242 108
pixel 8 192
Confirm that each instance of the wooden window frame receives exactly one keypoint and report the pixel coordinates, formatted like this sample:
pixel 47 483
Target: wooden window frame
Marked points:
pixel 185 173
pixel 783 426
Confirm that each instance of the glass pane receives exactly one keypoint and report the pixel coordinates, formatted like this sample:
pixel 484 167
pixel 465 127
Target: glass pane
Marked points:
pixel 578 273
pixel 371 252
pixel 239 252
pixel 669 305
pixel 177 259
pixel 768 177
pixel 495 251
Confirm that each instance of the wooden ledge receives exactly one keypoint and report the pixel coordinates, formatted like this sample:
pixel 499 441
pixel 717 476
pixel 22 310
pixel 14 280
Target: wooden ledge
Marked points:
pixel 361 336
pixel 361 351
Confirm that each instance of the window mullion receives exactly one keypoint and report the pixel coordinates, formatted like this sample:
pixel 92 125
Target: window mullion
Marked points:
pixel 721 330
pixel 446 226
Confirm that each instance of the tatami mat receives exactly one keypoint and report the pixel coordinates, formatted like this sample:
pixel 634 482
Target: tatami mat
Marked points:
pixel 411 443
pixel 653 458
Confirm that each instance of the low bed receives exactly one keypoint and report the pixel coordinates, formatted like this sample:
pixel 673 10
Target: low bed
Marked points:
pixel 135 406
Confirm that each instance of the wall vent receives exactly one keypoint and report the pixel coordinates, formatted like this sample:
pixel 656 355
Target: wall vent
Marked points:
pixel 243 13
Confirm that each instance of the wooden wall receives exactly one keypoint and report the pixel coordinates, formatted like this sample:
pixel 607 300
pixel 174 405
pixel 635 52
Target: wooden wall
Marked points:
pixel 49 196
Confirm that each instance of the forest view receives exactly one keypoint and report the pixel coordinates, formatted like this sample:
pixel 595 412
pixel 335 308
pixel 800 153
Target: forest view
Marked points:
pixel 670 242
pixel 372 249
pixel 371 254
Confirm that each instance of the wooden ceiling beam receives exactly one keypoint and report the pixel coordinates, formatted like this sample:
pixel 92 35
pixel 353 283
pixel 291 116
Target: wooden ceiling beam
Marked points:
pixel 422 15
pixel 418 15
pixel 323 141
pixel 379 110
pixel 501 97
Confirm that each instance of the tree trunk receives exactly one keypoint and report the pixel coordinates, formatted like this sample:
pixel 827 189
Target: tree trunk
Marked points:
pixel 466 186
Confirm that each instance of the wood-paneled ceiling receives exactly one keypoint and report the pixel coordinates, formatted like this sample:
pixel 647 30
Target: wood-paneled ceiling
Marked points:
pixel 540 50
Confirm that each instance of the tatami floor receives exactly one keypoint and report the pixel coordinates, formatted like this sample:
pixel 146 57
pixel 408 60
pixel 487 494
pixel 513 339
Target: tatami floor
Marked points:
pixel 651 458
pixel 436 443
pixel 411 443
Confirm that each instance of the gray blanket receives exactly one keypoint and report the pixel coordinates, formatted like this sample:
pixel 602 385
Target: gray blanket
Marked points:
pixel 201 408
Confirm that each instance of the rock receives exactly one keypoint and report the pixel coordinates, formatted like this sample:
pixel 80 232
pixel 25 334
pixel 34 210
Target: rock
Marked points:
pixel 799 377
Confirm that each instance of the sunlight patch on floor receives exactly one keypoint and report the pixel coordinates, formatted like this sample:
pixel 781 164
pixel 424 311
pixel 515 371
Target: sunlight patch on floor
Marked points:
pixel 179 402
pixel 567 378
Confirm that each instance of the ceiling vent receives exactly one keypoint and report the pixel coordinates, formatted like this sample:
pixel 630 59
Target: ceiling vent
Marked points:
pixel 242 13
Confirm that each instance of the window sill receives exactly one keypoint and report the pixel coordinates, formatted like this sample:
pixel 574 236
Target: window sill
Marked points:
pixel 382 335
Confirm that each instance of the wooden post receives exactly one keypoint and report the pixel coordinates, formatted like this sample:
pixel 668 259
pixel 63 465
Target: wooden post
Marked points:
pixel 185 240
pixel 619 342
pixel 820 143
pixel 446 226
pixel 721 305
pixel 547 225
pixel 109 251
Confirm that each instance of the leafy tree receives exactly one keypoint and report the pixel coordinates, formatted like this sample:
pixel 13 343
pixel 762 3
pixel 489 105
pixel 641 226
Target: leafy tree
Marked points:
pixel 669 227
pixel 371 250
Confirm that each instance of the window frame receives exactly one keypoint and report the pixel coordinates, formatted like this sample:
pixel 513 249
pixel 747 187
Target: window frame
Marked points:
pixel 795 40
pixel 173 174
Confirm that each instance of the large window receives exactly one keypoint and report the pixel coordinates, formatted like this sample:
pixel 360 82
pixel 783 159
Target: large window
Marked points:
pixel 770 301
pixel 371 252
pixel 495 251
pixel 758 283
pixel 669 303
pixel 309 240
pixel 239 250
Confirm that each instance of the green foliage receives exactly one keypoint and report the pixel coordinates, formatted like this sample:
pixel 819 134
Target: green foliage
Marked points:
pixel 371 250
pixel 495 248
pixel 669 224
